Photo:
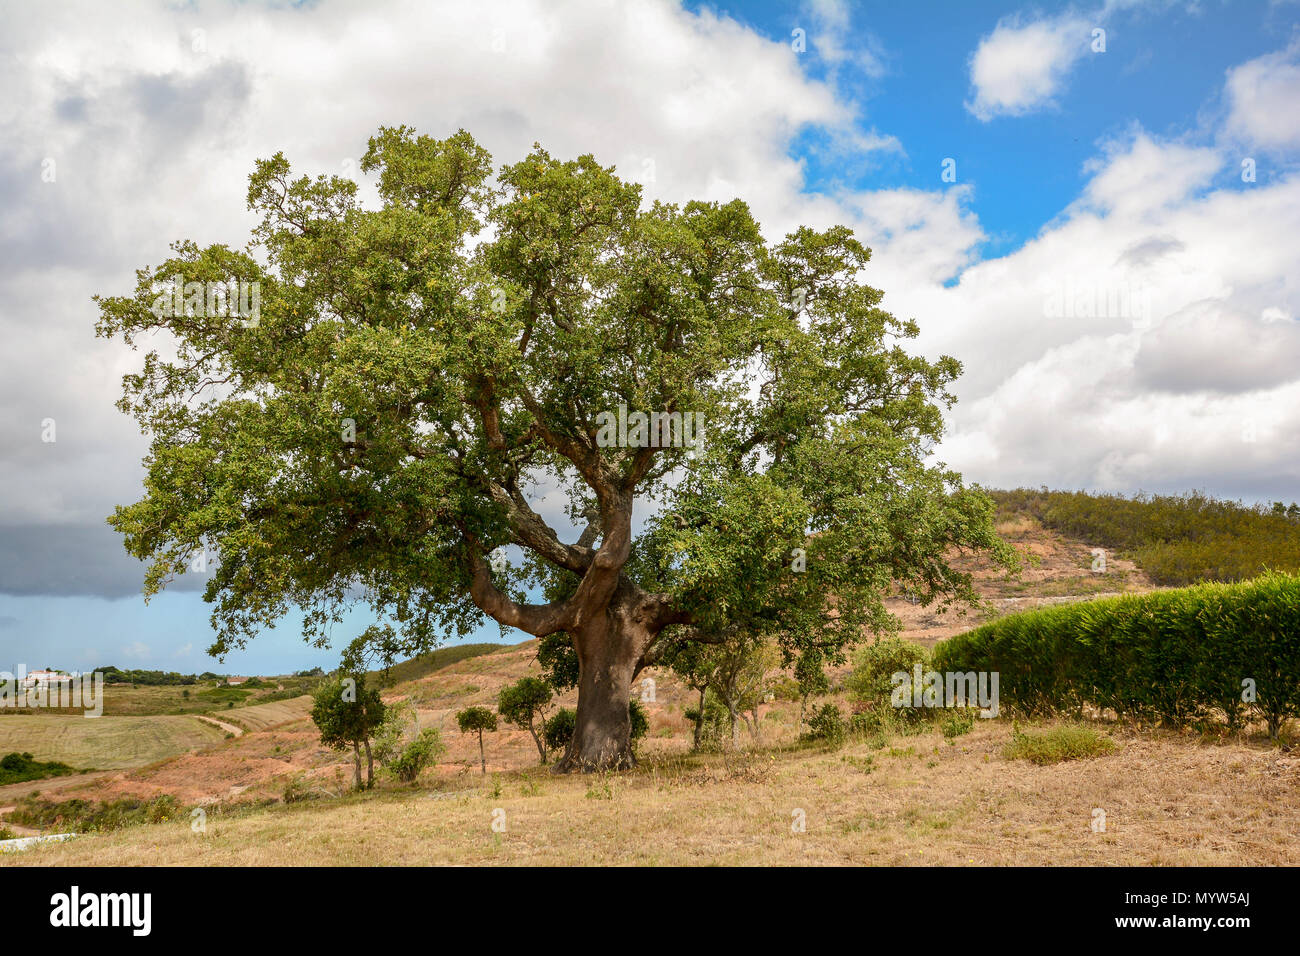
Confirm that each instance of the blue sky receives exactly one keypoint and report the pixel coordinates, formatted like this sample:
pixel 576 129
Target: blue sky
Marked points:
pixel 1075 170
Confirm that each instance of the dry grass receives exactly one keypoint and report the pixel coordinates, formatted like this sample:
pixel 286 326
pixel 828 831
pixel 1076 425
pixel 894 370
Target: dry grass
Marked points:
pixel 263 716
pixel 1168 801
pixel 102 743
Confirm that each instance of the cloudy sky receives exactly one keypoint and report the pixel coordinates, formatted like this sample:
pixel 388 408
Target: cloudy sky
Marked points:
pixel 1096 207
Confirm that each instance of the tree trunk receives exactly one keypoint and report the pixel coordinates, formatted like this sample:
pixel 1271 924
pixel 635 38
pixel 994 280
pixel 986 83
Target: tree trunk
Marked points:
pixel 609 650
pixel 356 766
pixel 735 725
pixel 481 758
pixel 370 765
pixel 537 739
pixel 699 723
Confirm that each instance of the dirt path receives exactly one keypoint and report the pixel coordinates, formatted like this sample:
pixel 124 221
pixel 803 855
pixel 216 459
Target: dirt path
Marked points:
pixel 228 728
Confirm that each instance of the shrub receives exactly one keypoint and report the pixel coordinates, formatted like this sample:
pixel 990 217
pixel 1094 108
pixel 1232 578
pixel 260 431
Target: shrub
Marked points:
pixel 871 681
pixel 559 729
pixel 1071 742
pixel 639 718
pixel 21 767
pixel 956 721
pixel 418 754
pixel 827 726
pixel 714 731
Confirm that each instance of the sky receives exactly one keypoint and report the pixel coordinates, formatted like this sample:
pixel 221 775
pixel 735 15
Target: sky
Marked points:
pixel 1095 207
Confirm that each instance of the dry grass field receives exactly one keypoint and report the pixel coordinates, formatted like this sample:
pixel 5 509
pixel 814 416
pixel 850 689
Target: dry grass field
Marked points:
pixel 917 801
pixel 263 716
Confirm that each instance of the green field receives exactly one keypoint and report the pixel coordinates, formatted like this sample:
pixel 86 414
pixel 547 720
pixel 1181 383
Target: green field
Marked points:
pixel 103 743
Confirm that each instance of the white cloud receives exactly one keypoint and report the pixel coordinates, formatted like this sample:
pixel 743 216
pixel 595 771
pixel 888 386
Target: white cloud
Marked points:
pixel 1176 359
pixel 1263 97
pixel 1020 67
pixel 154 139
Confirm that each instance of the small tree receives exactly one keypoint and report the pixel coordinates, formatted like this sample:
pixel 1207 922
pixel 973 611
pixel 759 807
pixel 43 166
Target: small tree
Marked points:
pixel 348 713
pixel 478 719
pixel 525 704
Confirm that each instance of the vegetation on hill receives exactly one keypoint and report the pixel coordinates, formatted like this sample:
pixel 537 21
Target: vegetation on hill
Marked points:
pixel 425 664
pixel 1176 539
pixel 115 675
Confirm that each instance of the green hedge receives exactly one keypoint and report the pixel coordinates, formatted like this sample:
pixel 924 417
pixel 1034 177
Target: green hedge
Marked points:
pixel 1175 656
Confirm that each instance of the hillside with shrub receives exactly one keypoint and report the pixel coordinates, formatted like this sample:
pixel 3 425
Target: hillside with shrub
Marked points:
pixel 1175 539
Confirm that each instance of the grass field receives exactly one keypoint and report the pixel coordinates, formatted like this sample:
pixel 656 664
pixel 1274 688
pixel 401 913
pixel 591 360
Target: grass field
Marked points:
pixel 915 801
pixel 103 743
pixel 262 716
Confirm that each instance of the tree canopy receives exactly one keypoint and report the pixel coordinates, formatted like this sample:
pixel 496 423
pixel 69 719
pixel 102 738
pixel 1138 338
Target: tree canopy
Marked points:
pixel 413 380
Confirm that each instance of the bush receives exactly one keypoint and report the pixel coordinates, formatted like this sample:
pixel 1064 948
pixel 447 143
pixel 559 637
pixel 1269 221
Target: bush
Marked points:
pixel 82 816
pixel 418 754
pixel 871 682
pixel 715 731
pixel 559 729
pixel 956 721
pixel 827 726
pixel 639 718
pixel 1073 742
pixel 19 768
pixel 1174 656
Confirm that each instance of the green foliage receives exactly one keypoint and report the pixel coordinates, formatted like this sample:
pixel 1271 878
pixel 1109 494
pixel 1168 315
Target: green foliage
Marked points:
pixel 1175 539
pixel 21 767
pixel 1175 656
pixel 475 719
pixel 559 729
pixel 954 722
pixel 871 680
pixel 524 704
pixel 346 714
pixel 84 816
pixel 559 661
pixel 391 734
pixel 827 726
pixel 114 675
pixel 714 731
pixel 424 750
pixel 639 718
pixel 1071 742
pixel 524 701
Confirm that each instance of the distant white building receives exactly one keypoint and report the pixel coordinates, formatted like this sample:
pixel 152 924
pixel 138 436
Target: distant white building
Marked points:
pixel 46 677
